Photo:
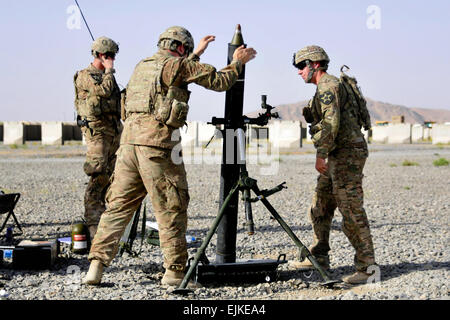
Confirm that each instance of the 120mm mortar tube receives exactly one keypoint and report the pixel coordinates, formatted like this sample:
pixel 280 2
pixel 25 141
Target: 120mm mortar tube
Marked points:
pixel 229 172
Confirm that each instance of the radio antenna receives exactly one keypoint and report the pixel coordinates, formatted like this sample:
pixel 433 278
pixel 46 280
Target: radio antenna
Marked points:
pixel 82 15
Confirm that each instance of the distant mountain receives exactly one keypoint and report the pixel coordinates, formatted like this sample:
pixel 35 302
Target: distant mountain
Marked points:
pixel 438 115
pixel 379 111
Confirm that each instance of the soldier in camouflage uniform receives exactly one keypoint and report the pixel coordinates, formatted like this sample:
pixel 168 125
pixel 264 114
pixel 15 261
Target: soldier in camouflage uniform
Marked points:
pixel 97 102
pixel 156 106
pixel 337 136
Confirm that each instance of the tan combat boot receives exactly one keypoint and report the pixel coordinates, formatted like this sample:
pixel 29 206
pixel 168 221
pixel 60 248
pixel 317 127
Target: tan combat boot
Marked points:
pixel 174 279
pixel 94 275
pixel 358 277
pixel 324 262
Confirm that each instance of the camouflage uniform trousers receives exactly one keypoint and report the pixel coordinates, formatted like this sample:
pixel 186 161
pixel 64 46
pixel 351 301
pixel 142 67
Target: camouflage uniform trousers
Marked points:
pixel 342 188
pixel 142 169
pixel 99 166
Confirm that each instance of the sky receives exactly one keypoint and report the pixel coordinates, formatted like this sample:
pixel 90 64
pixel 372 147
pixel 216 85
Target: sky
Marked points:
pixel 398 50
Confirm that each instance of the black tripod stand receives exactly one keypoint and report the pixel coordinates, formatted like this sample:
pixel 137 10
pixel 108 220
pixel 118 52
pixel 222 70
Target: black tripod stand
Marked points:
pixel 245 184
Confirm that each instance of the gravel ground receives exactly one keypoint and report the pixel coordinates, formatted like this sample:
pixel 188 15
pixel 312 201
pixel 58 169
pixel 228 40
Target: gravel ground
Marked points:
pixel 408 209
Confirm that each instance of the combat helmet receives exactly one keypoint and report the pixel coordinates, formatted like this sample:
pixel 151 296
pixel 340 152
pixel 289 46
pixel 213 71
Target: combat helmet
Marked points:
pixel 308 54
pixel 169 38
pixel 104 45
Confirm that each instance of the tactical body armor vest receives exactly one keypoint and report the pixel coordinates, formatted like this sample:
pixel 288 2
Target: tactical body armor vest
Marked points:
pixel 90 106
pixel 145 94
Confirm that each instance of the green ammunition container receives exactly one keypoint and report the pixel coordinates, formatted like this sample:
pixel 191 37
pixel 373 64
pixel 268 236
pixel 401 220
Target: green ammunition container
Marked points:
pixel 80 239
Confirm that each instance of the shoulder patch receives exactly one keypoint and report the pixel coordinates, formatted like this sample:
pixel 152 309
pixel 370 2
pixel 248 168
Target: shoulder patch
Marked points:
pixel 326 98
pixel 97 77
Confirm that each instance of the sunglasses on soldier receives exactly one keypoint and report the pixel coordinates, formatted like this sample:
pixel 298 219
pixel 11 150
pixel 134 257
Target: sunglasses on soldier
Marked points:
pixel 301 65
pixel 111 55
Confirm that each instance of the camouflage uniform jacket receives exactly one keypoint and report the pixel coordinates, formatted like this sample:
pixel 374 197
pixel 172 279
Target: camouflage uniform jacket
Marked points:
pixel 98 99
pixel 333 127
pixel 142 128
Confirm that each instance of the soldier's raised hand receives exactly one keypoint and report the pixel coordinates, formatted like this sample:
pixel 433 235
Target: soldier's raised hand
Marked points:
pixel 244 54
pixel 108 63
pixel 204 44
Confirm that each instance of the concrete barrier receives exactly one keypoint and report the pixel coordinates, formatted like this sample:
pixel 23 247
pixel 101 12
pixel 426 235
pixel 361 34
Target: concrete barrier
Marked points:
pixel 380 134
pixel 17 132
pixel 426 133
pixel 440 133
pixel 417 132
pixel 396 133
pixel 400 133
pixel 57 132
pixel 257 138
pixel 281 134
pixel 258 133
pixel 285 134
pixel 13 133
pixel 52 133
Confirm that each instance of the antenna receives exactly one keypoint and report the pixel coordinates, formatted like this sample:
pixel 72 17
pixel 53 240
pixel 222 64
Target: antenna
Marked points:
pixel 82 15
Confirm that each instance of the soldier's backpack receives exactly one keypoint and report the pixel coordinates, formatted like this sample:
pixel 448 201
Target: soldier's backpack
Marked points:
pixel 356 98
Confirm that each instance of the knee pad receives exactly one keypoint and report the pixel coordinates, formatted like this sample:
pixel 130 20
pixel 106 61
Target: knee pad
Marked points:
pixel 92 166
